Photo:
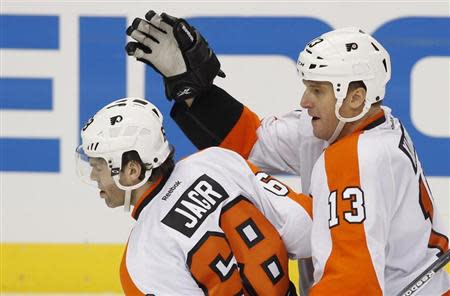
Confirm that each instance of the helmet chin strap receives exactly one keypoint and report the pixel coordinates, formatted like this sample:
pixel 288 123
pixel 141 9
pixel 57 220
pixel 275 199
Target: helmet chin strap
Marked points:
pixel 129 189
pixel 344 120
pixel 337 132
pixel 127 202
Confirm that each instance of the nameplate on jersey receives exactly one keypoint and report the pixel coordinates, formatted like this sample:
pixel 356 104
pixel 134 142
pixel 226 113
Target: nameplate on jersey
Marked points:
pixel 200 200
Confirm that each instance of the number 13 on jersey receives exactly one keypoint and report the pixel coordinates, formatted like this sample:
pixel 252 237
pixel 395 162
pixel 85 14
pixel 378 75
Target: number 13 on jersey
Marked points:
pixel 356 213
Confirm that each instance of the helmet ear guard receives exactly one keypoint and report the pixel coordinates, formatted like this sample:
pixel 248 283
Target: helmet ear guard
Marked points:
pixel 121 126
pixel 343 56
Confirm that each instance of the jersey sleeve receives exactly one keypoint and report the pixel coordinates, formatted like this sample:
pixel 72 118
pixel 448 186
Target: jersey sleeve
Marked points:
pixel 288 211
pixel 278 141
pixel 217 119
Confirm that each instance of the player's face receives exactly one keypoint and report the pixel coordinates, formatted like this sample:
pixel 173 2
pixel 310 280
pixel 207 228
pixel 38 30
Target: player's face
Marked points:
pixel 320 102
pixel 100 173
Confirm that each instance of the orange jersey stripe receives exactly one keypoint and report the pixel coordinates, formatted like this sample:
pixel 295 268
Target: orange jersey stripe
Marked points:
pixel 303 200
pixel 438 240
pixel 144 195
pixel 242 136
pixel 349 269
pixel 128 286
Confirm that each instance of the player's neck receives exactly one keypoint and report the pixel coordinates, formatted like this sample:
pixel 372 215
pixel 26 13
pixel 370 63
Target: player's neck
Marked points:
pixel 351 127
pixel 136 194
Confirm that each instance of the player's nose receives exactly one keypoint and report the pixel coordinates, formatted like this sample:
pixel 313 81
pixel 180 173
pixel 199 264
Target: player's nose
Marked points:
pixel 93 176
pixel 305 101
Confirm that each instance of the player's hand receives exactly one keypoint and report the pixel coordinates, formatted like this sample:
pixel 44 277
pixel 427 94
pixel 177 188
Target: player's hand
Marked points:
pixel 177 51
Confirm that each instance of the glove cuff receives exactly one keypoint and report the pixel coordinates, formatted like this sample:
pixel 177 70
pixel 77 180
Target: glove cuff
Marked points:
pixel 203 66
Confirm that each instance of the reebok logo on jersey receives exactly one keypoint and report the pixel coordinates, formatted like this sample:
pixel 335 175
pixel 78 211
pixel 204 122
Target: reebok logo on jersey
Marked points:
pixel 171 190
pixel 194 205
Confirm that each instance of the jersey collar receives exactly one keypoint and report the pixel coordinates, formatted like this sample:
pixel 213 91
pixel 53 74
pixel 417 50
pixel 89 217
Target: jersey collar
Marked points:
pixel 372 122
pixel 148 195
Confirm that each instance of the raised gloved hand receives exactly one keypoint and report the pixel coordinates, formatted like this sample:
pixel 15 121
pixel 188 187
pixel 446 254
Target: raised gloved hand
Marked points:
pixel 177 51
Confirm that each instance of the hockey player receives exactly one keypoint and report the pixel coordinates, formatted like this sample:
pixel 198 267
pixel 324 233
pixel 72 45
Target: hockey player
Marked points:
pixel 375 227
pixel 198 230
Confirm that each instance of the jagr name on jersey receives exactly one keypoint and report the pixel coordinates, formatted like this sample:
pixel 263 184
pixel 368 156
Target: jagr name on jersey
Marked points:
pixel 194 205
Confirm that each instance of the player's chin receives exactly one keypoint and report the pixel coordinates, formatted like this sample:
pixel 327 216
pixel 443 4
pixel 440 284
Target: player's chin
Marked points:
pixel 318 133
pixel 110 203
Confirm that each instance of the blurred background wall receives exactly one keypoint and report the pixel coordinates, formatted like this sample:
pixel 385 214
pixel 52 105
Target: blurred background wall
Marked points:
pixel 62 60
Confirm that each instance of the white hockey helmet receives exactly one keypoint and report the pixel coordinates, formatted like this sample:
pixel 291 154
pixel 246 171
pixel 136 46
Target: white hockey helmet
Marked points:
pixel 124 125
pixel 345 55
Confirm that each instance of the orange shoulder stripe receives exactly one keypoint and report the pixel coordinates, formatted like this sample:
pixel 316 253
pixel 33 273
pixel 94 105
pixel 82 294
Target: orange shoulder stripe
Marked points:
pixel 144 195
pixel 242 136
pixel 349 267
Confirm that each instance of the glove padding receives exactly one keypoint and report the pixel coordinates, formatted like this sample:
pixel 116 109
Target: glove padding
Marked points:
pixel 177 51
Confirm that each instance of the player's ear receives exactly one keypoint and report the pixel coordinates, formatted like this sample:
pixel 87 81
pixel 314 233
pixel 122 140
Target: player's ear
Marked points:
pixel 357 98
pixel 132 171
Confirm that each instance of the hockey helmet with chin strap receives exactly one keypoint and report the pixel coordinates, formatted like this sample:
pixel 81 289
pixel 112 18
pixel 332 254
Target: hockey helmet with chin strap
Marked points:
pixel 124 125
pixel 345 55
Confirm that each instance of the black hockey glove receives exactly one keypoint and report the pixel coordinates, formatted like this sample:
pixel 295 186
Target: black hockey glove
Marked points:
pixel 177 51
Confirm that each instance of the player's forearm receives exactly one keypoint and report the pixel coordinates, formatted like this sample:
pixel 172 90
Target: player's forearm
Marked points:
pixel 215 118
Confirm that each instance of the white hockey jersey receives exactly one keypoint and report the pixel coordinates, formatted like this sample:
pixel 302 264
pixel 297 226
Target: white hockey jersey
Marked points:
pixel 375 226
pixel 198 231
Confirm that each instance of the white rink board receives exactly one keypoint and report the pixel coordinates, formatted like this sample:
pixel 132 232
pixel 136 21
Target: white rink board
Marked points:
pixel 56 207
